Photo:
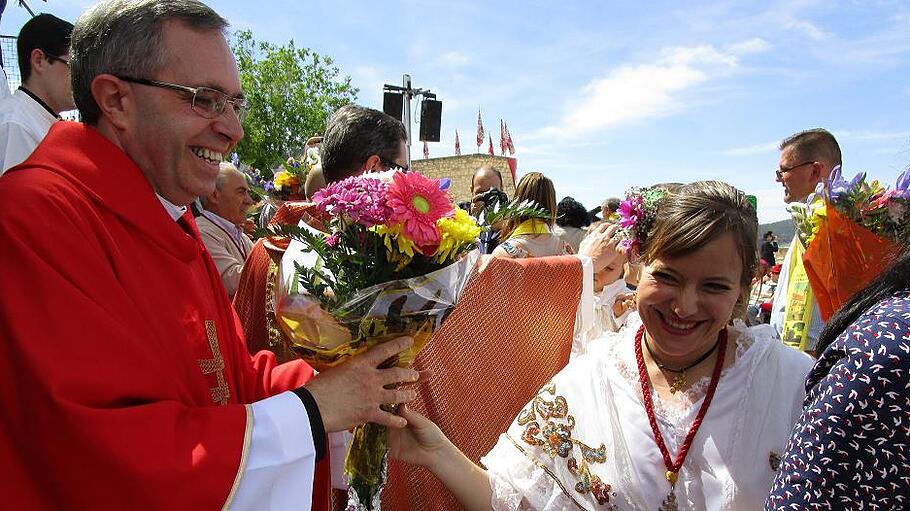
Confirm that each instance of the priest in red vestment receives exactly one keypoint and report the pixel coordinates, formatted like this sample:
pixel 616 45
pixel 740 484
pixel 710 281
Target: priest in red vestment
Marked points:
pixel 125 380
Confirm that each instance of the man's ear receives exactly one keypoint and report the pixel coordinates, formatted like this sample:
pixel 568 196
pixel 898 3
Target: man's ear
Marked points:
pixel 373 164
pixel 819 173
pixel 38 61
pixel 114 98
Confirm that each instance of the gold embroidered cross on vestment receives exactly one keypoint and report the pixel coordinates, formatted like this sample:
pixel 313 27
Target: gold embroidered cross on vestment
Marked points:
pixel 221 393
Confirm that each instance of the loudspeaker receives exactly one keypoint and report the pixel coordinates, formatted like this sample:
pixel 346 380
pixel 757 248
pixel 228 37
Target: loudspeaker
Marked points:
pixel 430 120
pixel 392 104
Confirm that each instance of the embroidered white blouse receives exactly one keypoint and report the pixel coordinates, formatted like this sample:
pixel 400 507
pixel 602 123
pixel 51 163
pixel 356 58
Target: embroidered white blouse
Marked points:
pixel 584 441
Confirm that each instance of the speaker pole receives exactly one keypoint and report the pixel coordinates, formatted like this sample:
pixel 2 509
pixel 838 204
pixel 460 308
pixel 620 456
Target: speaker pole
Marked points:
pixel 406 83
pixel 408 92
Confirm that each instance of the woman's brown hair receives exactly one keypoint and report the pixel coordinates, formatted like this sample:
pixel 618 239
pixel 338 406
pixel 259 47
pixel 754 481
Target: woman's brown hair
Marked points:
pixel 693 215
pixel 537 188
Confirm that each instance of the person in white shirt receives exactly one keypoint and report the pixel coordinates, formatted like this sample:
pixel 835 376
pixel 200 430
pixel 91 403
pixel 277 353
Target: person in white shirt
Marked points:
pixel 220 224
pixel 46 91
pixel 4 86
pixel 806 159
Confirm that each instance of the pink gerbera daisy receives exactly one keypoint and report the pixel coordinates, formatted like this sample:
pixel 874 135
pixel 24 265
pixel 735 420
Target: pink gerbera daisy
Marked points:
pixel 417 203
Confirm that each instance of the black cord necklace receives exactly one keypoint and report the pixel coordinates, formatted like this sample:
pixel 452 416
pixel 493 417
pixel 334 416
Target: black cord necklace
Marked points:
pixel 679 382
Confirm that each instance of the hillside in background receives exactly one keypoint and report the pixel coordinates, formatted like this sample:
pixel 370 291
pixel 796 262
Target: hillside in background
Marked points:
pixel 783 229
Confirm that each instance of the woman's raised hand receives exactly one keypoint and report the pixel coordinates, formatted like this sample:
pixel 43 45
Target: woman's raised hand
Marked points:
pixel 420 443
pixel 602 245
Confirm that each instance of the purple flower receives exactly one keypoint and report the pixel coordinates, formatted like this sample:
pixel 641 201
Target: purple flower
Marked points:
pixel 333 239
pixel 630 211
pixel 269 186
pixel 629 247
pixel 902 188
pixel 445 183
pixel 360 198
pixel 235 159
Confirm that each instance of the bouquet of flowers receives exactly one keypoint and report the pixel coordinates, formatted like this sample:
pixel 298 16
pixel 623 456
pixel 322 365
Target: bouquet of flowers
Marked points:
pixel 850 230
pixel 391 257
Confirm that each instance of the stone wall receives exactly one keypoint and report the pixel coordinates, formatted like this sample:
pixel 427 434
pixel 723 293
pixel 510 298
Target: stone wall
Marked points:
pixel 460 169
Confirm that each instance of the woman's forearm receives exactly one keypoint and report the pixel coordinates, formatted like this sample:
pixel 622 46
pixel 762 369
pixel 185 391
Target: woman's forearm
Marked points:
pixel 468 482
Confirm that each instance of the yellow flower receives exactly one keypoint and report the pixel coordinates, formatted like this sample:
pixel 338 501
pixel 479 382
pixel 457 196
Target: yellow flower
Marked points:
pixel 399 249
pixel 285 179
pixel 454 232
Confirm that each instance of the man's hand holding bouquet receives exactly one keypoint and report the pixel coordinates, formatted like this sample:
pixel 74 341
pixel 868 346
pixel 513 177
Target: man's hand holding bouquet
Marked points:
pixel 392 257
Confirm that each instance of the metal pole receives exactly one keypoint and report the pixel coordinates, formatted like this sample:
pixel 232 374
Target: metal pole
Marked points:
pixel 406 83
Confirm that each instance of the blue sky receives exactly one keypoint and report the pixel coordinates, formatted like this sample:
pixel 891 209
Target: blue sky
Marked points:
pixel 604 95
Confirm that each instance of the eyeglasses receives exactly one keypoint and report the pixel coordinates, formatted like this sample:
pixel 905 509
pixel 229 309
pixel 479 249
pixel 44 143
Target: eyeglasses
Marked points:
pixel 783 170
pixel 207 102
pixel 393 165
pixel 52 57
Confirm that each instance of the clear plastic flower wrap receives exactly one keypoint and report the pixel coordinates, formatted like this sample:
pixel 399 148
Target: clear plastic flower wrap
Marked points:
pixel 388 256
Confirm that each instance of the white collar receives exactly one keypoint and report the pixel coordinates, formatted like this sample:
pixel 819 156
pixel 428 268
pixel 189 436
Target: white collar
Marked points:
pixel 221 221
pixel 172 209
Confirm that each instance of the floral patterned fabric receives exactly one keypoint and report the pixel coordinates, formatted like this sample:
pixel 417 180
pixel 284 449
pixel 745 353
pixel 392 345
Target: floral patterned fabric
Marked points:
pixel 851 446
pixel 584 441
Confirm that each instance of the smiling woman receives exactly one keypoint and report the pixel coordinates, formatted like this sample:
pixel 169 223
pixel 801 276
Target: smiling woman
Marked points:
pixel 683 408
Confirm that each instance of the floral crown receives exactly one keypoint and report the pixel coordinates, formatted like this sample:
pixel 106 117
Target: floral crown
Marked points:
pixel 636 217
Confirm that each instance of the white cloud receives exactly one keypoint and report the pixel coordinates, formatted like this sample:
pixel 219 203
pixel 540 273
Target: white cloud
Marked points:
pixel 812 31
pixel 766 147
pixel 453 59
pixel 635 92
pixel 750 46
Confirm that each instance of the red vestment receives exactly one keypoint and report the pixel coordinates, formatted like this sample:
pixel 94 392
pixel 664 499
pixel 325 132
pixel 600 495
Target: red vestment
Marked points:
pixel 125 377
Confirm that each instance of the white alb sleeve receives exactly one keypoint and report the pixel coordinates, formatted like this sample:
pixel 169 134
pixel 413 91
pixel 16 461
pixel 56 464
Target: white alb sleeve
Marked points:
pixel 281 461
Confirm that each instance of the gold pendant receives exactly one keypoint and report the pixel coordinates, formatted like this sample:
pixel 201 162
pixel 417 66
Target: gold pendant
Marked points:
pixel 679 383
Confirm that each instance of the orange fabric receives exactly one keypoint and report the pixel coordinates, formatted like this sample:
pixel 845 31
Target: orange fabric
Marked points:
pixel 509 334
pixel 842 259
pixel 254 295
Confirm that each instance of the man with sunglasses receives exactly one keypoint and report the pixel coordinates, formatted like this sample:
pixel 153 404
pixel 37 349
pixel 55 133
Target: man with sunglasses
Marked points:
pixel 806 159
pixel 25 117
pixel 124 378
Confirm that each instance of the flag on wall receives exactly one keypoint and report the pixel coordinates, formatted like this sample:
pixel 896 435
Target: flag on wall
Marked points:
pixel 490 150
pixel 479 131
pixel 502 138
pixel 457 144
pixel 508 140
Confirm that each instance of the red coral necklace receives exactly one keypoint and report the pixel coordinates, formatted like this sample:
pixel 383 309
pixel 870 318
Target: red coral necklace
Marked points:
pixel 673 467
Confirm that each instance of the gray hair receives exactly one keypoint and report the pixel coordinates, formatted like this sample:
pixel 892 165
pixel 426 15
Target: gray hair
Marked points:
pixel 225 169
pixel 123 37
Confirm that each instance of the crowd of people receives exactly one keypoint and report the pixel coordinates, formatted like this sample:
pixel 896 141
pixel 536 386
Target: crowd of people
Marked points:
pixel 143 366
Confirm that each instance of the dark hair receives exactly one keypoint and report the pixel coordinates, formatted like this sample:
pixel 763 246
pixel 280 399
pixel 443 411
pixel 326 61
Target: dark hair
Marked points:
pixel 816 144
pixel 537 188
pixel 353 134
pixel 612 204
pixel 44 32
pixel 571 213
pixel 124 37
pixel 895 278
pixel 693 215
pixel 769 233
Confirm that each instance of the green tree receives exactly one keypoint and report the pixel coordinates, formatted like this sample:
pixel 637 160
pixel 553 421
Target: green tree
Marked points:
pixel 291 92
